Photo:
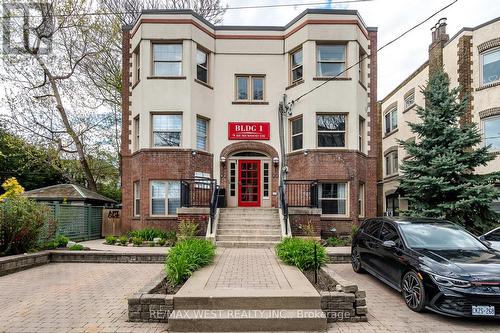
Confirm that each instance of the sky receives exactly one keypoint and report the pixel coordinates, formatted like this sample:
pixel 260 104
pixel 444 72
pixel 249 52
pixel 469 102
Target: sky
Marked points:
pixel 392 17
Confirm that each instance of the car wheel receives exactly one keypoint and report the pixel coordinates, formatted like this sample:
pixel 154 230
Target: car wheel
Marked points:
pixel 356 260
pixel 413 291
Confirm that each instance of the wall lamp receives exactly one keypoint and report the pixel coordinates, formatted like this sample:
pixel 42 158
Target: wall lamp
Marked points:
pixel 223 159
pixel 276 160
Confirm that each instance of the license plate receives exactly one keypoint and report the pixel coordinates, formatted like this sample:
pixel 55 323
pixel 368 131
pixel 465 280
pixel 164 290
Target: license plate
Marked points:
pixel 483 310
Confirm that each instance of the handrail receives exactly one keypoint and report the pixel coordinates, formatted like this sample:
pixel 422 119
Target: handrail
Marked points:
pixel 284 206
pixel 213 204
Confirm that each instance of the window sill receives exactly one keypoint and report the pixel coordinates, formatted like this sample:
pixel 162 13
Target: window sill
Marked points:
pixel 161 217
pixel 135 84
pixel 386 135
pixel 489 85
pixel 136 218
pixel 331 78
pixel 294 84
pixel 391 177
pixel 204 84
pixel 334 148
pixel 166 77
pixel 165 147
pixel 249 103
pixel 336 217
pixel 409 108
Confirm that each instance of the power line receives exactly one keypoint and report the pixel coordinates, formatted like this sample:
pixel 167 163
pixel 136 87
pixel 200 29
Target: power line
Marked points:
pixel 379 49
pixel 226 8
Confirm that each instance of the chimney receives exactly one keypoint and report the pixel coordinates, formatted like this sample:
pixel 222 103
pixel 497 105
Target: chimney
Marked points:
pixel 439 38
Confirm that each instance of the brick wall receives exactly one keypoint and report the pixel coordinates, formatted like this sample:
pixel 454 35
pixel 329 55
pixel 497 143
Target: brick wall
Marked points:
pixel 464 62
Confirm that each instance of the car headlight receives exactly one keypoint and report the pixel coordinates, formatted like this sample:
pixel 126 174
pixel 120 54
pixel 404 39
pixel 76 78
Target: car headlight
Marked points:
pixel 450 282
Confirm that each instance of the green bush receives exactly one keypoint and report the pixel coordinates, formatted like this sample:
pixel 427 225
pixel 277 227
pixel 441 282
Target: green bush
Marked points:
pixel 123 240
pixel 76 247
pixel 187 230
pixel 339 241
pixel 24 224
pixel 61 240
pixel 186 257
pixel 49 245
pixel 110 240
pixel 300 252
pixel 148 234
pixel 162 242
pixel 137 241
pixel 151 243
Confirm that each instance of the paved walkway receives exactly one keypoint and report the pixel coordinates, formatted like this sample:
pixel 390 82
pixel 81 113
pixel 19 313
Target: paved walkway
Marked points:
pixel 73 297
pixel 387 312
pixel 100 245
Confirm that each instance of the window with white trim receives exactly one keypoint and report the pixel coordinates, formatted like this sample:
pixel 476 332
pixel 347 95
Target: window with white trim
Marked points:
pixel 136 133
pixel 232 179
pixel 201 133
pixel 333 198
pixel 409 101
pixel 391 120
pixel 249 87
pixel 361 200
pixel 265 191
pixel 137 199
pixel 330 60
pixel 202 65
pixel 391 163
pixel 491 132
pixel 296 66
pixel 137 55
pixel 490 66
pixel 296 133
pixel 331 130
pixel 167 59
pixel 165 197
pixel 361 135
pixel 167 130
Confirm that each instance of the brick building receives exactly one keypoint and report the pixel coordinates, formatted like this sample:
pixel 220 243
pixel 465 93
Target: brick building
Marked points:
pixel 200 107
pixel 471 59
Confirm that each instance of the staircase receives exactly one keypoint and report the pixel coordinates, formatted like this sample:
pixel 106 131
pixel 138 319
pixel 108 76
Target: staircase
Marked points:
pixel 248 227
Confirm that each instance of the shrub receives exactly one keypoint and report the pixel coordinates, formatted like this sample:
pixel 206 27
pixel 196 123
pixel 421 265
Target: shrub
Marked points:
pixel 151 243
pixel 161 242
pixel 61 240
pixel 186 257
pixel 187 230
pixel 354 230
pixel 76 247
pixel 300 252
pixel 308 229
pixel 110 240
pixel 49 245
pixel 148 234
pixel 137 241
pixel 338 241
pixel 24 224
pixel 123 240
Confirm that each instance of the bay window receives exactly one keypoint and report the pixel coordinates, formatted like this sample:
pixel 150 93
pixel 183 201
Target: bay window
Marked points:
pixel 296 133
pixel 391 120
pixel 202 65
pixel 490 66
pixel 167 130
pixel 333 198
pixel 137 199
pixel 167 59
pixel 391 163
pixel 201 133
pixel 165 197
pixel 331 130
pixel 330 60
pixel 491 132
pixel 296 68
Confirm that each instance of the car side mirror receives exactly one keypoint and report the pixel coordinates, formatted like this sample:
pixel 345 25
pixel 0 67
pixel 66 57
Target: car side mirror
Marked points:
pixel 389 244
pixel 482 238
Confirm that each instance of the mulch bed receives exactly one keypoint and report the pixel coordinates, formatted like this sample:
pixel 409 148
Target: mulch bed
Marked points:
pixel 165 288
pixel 325 282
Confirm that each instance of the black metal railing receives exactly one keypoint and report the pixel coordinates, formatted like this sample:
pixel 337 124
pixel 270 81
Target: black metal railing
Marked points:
pixel 302 193
pixel 214 203
pixel 201 192
pixel 284 206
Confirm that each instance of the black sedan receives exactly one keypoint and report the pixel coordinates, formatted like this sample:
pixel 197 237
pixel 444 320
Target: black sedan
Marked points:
pixel 435 264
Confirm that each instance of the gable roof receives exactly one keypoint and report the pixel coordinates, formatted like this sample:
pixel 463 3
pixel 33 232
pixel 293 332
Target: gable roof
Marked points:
pixel 69 192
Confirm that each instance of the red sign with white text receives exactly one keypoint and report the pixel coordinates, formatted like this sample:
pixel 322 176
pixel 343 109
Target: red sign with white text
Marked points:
pixel 248 131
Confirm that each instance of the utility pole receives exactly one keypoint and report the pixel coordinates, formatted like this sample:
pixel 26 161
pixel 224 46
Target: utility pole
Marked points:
pixel 284 111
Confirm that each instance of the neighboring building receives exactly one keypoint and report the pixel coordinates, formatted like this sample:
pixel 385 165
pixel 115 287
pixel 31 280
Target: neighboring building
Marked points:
pixel 70 194
pixel 201 101
pixel 471 59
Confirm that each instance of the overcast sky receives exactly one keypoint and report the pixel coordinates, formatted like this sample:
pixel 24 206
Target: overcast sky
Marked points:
pixel 392 17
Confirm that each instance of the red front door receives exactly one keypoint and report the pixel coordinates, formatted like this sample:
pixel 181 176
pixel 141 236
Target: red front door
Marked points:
pixel 249 183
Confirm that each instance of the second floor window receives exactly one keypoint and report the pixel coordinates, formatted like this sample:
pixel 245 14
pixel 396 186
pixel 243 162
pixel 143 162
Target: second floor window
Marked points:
pixel 297 133
pixel 202 65
pixel 361 137
pixel 136 133
pixel 331 130
pixel 391 163
pixel 167 59
pixel 391 120
pixel 137 65
pixel 491 132
pixel 167 130
pixel 296 66
pixel 331 60
pixel 250 88
pixel 409 101
pixel 490 70
pixel 201 133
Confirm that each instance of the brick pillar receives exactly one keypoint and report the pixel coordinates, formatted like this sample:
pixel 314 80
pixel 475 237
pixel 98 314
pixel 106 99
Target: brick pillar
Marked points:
pixel 464 63
pixel 439 38
pixel 374 132
pixel 126 181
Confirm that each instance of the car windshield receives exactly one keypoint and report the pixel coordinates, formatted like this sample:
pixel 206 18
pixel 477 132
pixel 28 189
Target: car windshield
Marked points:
pixel 442 236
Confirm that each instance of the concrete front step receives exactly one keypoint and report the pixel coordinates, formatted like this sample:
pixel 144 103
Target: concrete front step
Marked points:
pixel 256 231
pixel 246 244
pixel 253 225
pixel 234 321
pixel 246 237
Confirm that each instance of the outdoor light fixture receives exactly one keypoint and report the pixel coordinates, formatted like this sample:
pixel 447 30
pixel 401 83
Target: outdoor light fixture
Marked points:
pixel 193 152
pixel 223 159
pixel 276 160
pixel 306 152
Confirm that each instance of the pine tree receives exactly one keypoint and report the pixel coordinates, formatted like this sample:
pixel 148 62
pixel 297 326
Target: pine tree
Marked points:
pixel 438 177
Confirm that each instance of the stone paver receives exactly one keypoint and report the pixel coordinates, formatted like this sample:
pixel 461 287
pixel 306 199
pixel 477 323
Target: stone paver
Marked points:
pixel 247 268
pixel 99 244
pixel 387 312
pixel 73 297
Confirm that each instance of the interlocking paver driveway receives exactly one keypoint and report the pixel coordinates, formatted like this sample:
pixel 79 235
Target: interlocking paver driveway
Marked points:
pixel 73 297
pixel 387 312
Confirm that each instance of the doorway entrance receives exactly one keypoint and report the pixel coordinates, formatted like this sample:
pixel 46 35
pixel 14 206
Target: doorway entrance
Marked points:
pixel 249 183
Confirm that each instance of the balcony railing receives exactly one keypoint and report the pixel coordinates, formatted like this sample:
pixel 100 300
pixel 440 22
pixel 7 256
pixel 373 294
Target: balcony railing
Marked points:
pixel 200 192
pixel 302 193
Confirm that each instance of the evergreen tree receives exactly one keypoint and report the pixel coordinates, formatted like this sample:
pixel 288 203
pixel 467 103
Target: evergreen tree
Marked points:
pixel 438 177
